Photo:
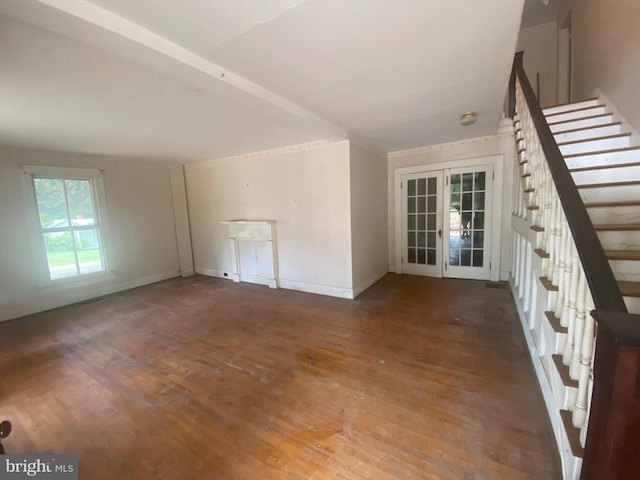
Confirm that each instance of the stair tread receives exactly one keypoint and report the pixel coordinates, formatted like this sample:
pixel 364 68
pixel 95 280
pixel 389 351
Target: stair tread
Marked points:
pixel 548 286
pixel 622 254
pixel 555 323
pixel 605 167
pixel 563 370
pixel 574 111
pixel 629 289
pixel 541 253
pixel 594 139
pixel 609 184
pixel 595 152
pixel 573 433
pixel 617 227
pixel 623 203
pixel 564 104
pixel 582 118
pixel 604 125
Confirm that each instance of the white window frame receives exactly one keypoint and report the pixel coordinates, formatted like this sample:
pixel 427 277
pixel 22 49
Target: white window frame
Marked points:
pixel 41 264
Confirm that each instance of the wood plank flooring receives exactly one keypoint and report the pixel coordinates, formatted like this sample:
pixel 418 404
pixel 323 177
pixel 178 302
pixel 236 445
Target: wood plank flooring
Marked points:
pixel 201 378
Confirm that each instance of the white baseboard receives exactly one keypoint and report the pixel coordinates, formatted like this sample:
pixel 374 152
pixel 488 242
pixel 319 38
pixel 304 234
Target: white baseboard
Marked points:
pixel 41 301
pixel 286 284
pixel 331 291
pixel 362 286
pixel 213 272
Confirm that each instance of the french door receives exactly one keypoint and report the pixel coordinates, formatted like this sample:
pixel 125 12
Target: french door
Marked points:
pixel 446 222
pixel 422 223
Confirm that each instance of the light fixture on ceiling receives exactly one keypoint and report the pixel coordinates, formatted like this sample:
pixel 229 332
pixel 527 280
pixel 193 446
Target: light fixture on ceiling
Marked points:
pixel 468 118
pixel 544 2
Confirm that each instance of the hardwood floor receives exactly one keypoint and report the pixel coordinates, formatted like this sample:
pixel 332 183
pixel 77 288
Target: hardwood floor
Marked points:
pixel 201 378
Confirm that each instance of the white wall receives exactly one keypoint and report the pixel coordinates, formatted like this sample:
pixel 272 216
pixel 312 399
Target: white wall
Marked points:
pixel 143 237
pixel 540 45
pixel 304 188
pixel 369 235
pixel 478 147
pixel 606 40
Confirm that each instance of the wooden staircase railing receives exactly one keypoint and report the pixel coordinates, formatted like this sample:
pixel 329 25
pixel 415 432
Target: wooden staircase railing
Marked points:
pixel 580 281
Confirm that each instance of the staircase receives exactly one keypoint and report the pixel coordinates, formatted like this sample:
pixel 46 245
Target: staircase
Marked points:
pixel 605 167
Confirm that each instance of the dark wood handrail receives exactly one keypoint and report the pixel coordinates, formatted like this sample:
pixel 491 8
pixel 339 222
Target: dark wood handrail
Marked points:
pixel 602 283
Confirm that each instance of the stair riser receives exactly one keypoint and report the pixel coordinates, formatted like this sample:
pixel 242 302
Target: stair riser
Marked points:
pixel 614 215
pixel 588 133
pixel 609 194
pixel 622 174
pixel 611 158
pixel 554 341
pixel 571 106
pixel 633 304
pixel 620 240
pixel 581 123
pixel 564 117
pixel 626 270
pixel 595 145
pixel 563 395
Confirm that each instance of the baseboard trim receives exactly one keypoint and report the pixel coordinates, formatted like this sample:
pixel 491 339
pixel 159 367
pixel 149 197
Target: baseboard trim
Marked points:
pixel 286 284
pixel 213 272
pixel 331 291
pixel 79 294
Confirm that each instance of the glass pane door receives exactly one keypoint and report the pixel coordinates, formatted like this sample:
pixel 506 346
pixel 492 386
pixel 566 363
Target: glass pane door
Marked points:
pixel 422 230
pixel 468 203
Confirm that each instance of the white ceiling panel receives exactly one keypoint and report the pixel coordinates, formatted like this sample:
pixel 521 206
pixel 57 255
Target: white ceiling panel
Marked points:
pixel 203 79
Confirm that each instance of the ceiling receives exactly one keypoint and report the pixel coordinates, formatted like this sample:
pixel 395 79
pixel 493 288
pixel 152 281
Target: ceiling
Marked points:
pixel 203 79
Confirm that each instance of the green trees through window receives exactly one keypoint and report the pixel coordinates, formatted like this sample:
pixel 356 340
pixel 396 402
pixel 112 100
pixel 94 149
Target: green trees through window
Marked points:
pixel 70 225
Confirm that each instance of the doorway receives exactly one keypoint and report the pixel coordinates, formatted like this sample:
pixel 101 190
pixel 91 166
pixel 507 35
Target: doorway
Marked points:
pixel 446 222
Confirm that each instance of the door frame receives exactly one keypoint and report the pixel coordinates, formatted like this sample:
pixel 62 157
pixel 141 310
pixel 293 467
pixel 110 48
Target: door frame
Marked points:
pixel 497 203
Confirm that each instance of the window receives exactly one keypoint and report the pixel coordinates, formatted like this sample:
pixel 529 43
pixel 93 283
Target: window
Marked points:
pixel 70 220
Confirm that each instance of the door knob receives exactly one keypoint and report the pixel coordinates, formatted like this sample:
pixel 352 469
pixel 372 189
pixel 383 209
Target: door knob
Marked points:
pixel 439 233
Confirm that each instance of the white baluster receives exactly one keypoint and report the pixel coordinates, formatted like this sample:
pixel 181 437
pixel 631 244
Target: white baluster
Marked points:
pixel 580 412
pixel 581 310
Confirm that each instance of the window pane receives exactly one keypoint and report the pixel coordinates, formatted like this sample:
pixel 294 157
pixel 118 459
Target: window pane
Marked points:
pixel 466 201
pixel 480 180
pixel 431 204
pixel 80 202
pixel 421 224
pixel 88 245
pixel 432 188
pixel 467 182
pixel 422 259
pixel 411 239
pixel 431 257
pixel 411 205
pixel 422 204
pixel 52 208
pixel 422 186
pixel 465 257
pixel 411 255
pixel 411 222
pixel 411 188
pixel 60 256
pixel 477 258
pixel 431 222
pixel 422 242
